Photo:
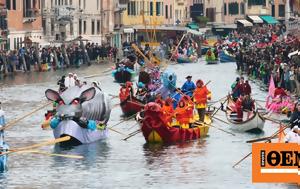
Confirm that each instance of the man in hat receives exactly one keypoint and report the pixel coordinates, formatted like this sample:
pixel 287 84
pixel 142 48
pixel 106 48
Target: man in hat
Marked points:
pixel 201 95
pixel 189 86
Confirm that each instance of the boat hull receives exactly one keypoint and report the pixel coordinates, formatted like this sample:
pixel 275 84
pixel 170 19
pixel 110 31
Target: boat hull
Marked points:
pixel 254 124
pixel 226 58
pixel 131 106
pixel 181 60
pixel 122 76
pixel 156 131
pixel 78 134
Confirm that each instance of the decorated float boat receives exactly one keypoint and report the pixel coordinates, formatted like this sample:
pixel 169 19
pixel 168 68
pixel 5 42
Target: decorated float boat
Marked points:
pixel 252 121
pixel 280 105
pixel 210 57
pixel 226 57
pixel 81 113
pixel 156 130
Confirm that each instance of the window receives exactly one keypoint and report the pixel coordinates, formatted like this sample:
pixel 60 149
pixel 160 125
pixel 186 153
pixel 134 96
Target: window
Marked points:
pixel 256 2
pixel 225 9
pixel 233 8
pixel 84 27
pixel 93 27
pixel 171 11
pixel 8 5
pixel 281 10
pixel 151 8
pixel 14 5
pixel 44 26
pixel 166 12
pixel 80 26
pixel 97 4
pixel 15 43
pixel 273 10
pixel 98 26
pixel 242 5
pixel 129 8
pixel 158 12
pixel 137 8
pixel 71 28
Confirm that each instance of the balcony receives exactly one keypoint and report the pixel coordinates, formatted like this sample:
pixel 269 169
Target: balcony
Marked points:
pixel 30 15
pixel 123 4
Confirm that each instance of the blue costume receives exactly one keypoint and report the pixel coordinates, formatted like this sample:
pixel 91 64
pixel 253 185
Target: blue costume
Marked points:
pixel 168 84
pixel 188 88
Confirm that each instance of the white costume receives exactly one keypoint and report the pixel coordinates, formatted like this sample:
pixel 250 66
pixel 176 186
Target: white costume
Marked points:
pixel 291 136
pixel 69 81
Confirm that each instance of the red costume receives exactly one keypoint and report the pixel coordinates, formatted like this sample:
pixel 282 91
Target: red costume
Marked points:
pixel 182 113
pixel 279 92
pixel 239 109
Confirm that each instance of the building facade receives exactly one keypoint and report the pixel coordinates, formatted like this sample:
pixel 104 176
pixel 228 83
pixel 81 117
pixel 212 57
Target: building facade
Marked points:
pixel 65 20
pixel 24 22
pixel 149 20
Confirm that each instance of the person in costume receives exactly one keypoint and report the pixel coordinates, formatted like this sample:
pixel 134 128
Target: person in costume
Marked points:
pixel 201 95
pixel 188 87
pixel 181 114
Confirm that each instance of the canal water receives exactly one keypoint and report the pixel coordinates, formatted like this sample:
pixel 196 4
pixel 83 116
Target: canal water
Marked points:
pixel 115 163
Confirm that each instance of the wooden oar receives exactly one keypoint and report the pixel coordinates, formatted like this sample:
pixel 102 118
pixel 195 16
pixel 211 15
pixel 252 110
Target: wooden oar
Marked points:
pixel 127 119
pixel 116 131
pixel 219 108
pixel 52 154
pixel 221 120
pixel 12 123
pixel 272 136
pixel 133 134
pixel 210 125
pixel 42 144
pixel 267 138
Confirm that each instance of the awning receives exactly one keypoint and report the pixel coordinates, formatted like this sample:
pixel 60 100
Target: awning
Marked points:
pixel 192 26
pixel 245 23
pixel 269 19
pixel 256 19
pixel 194 32
pixel 128 30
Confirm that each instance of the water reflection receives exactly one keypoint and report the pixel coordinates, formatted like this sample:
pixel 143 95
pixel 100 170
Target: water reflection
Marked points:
pixel 93 153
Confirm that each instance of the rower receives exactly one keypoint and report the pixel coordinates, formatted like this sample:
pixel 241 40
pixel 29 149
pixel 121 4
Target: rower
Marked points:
pixel 3 146
pixel 180 114
pixel 292 136
pixel 295 117
pixel 188 87
pixel 141 92
pixel 201 95
pixel 168 111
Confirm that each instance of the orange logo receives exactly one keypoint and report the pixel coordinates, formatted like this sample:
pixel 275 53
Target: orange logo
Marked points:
pixel 278 162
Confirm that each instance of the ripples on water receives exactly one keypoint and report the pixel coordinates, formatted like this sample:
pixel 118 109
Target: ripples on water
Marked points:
pixel 114 163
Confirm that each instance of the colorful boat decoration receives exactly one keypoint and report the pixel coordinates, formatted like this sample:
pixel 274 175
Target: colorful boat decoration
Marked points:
pixel 156 130
pixel 81 113
pixel 123 74
pixel 182 60
pixel 211 57
pixel 226 57
pixel 280 104
pixel 252 121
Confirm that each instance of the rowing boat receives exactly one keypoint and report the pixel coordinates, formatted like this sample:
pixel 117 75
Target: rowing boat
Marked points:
pixel 226 57
pixel 252 122
pixel 131 106
pixel 156 130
